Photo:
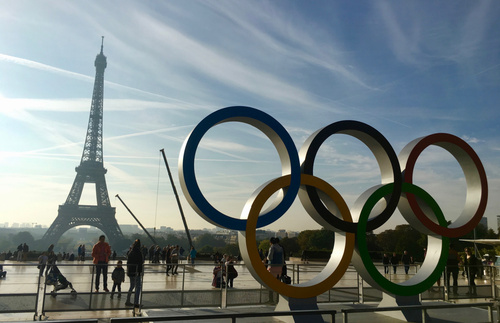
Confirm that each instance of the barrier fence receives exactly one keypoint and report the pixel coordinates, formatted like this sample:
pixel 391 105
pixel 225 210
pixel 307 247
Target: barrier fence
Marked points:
pixel 25 291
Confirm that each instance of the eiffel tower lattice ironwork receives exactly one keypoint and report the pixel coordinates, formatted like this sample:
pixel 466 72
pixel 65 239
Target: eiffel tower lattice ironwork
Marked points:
pixel 90 170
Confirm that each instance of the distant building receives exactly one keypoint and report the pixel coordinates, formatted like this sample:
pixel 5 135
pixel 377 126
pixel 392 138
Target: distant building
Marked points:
pixel 484 221
pixel 281 233
pixel 129 228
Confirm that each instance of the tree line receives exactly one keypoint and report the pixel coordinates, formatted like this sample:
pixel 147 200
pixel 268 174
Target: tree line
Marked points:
pixel 318 243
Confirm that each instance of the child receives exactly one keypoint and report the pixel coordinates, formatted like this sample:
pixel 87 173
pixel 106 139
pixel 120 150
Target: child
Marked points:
pixel 219 273
pixel 118 277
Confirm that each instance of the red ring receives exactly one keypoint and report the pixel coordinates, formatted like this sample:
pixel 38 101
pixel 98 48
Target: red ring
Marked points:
pixel 450 143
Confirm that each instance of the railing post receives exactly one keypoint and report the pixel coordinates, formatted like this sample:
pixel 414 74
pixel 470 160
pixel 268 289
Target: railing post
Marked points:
pixel 446 285
pixel 38 311
pixel 140 295
pixel 183 280
pixel 490 314
pixel 492 282
pixel 298 273
pixel 91 286
pixel 361 297
pixel 223 300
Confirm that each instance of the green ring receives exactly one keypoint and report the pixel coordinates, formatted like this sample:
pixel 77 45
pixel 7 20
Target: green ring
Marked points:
pixel 362 249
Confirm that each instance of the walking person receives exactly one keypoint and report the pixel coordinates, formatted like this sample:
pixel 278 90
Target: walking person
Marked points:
pixel 192 255
pixel 394 262
pixel 135 263
pixel 452 269
pixel 471 264
pixel 118 277
pixel 385 262
pixel 406 260
pixel 100 253
pixel 175 259
pixel 168 259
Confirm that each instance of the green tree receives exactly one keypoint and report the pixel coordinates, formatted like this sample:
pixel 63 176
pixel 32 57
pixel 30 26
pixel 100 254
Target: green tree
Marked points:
pixel 23 237
pixel 208 239
pixel 291 246
pixel 230 249
pixel 316 239
pixel 264 245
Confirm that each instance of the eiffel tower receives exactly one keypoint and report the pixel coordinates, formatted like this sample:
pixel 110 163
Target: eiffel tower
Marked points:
pixel 91 170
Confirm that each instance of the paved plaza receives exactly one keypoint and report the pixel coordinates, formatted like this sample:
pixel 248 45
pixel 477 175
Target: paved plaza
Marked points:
pixel 23 280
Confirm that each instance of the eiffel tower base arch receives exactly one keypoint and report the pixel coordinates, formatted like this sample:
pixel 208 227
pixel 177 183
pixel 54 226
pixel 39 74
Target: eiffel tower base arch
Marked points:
pixel 69 216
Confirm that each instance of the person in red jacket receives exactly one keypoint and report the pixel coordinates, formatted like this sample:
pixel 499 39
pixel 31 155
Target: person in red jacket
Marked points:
pixel 101 252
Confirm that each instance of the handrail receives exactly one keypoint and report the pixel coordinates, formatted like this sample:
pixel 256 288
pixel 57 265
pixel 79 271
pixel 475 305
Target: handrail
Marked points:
pixel 232 316
pixel 424 308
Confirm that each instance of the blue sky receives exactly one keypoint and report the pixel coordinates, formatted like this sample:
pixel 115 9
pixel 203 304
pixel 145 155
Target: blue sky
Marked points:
pixel 409 69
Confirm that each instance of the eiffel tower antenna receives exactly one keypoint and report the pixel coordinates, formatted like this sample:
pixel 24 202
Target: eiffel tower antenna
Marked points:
pixel 90 170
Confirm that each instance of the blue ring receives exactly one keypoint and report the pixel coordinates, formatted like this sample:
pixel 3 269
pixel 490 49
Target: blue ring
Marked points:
pixel 269 126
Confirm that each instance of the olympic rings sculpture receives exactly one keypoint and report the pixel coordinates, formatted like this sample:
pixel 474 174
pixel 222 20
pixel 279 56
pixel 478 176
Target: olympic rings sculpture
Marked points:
pixel 327 207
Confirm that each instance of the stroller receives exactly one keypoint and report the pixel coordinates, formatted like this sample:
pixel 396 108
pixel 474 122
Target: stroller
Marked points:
pixel 56 278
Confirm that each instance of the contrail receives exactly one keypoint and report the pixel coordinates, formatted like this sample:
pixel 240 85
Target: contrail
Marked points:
pixel 78 76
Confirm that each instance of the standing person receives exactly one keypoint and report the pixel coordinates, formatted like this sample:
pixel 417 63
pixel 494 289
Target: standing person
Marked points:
pixel 83 252
pixel 232 273
pixel 135 263
pixel 386 262
pixel 52 258
pixel 26 250
pixel 394 262
pixel 163 254
pixel 151 253
pixel 20 252
pixel 80 252
pixel 471 270
pixel 100 253
pixel 118 277
pixel 275 258
pixel 452 269
pixel 175 259
pixel 42 262
pixel 192 255
pixel 406 260
pixel 219 273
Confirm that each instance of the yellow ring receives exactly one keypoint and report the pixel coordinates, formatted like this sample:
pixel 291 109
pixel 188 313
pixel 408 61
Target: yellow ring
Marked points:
pixel 334 269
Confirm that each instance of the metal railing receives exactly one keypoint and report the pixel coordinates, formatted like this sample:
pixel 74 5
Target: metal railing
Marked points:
pixel 422 308
pixel 24 291
pixel 232 316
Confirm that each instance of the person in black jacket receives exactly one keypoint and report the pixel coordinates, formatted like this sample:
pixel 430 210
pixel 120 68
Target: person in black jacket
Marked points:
pixel 394 262
pixel 135 263
pixel 118 277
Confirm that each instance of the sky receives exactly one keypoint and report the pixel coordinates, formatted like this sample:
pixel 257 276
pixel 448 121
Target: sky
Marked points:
pixel 408 69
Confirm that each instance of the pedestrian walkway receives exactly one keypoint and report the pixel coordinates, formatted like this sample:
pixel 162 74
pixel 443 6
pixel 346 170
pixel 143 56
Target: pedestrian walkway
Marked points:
pixel 196 281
